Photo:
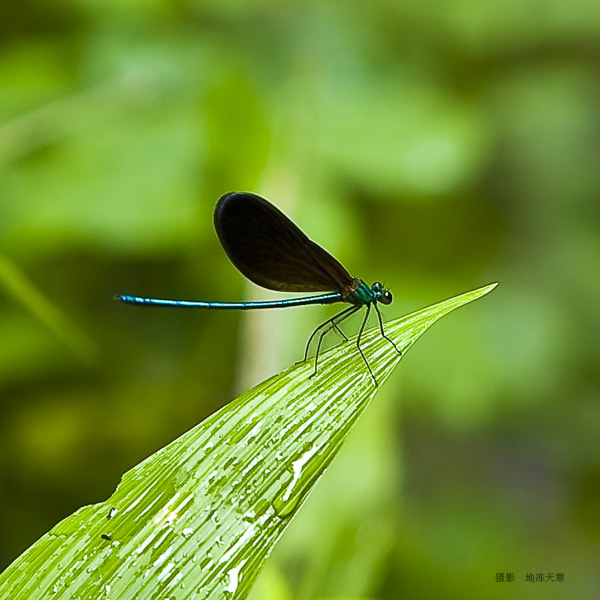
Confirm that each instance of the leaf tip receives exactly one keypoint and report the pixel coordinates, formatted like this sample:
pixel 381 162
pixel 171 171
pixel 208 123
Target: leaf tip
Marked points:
pixel 488 288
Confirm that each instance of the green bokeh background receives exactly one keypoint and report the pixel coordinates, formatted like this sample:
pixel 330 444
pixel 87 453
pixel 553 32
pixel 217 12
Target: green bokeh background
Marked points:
pixel 437 146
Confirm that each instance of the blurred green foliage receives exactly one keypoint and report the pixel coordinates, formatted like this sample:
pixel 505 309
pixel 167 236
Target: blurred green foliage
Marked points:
pixel 436 146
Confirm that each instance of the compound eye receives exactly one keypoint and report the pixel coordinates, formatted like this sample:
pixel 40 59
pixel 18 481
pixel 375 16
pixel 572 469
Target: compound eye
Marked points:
pixel 387 297
pixel 377 287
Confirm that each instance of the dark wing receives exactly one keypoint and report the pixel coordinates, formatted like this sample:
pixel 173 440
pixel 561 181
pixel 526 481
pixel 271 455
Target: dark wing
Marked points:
pixel 270 250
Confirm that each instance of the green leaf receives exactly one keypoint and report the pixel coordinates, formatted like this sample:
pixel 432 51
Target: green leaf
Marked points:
pixel 198 518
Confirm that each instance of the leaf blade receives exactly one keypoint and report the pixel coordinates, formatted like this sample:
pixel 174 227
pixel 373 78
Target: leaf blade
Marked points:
pixel 199 517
